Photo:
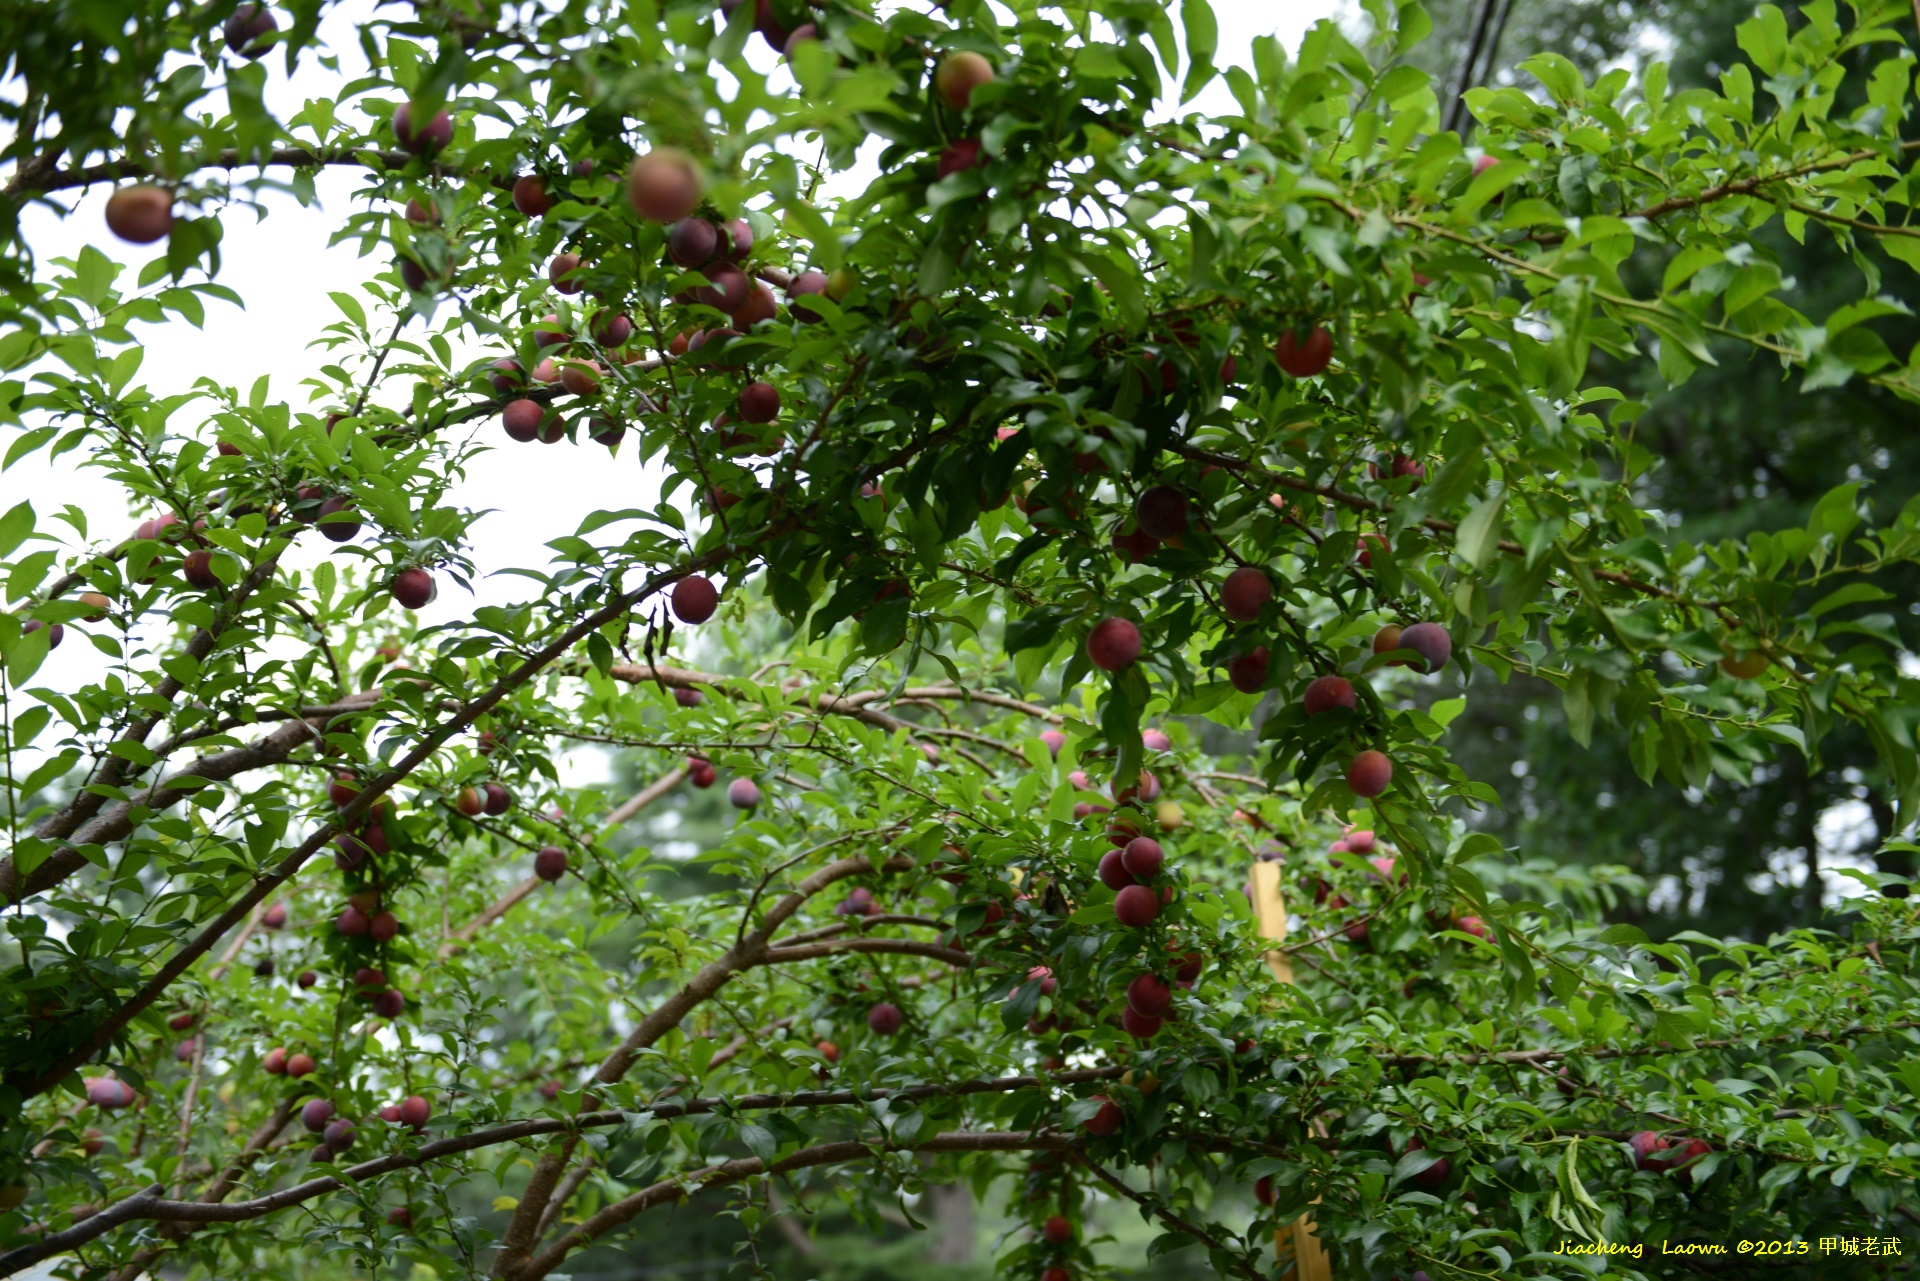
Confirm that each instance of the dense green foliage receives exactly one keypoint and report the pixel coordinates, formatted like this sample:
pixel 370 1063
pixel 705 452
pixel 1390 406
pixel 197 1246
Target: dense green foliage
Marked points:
pixel 1059 378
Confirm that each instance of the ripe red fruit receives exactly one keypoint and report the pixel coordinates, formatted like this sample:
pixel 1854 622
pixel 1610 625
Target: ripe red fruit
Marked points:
pixel 1140 1026
pixel 1472 925
pixel 530 195
pixel 470 801
pixel 1248 671
pixel 181 1022
pixel 1136 906
pixel 1188 971
pixel 522 419
pixel 1054 740
pixel 1113 871
pixel 140 214
pixel 1048 983
pixel 581 377
pixel 702 776
pixel 274 918
pixel 400 1217
pixel 1688 1154
pixel 389 1004
pixel 1263 1190
pixel 415 1111
pixel 743 794
pixel 1143 857
pixel 315 1114
pixel 156 528
pixel 693 242
pixel 828 1051
pixel 1055 1274
pixel 499 799
pixel 1161 512
pixel 197 569
pixel 759 402
pixel 1328 692
pixel 1245 593
pixel 1150 995
pixel 275 1062
pixel 611 328
pixel 384 927
pixel 249 30
pixel 727 287
pixel 352 922
pixel 1303 358
pixel 1648 1149
pixel 885 1018
pixel 1402 465
pixel 1369 543
pixel 413 588
pixel 428 138
pixel 803 285
pixel 1057 1230
pixel 1431 642
pixel 959 156
pixel 336 521
pixel 307 978
pixel 664 185
pixel 695 599
pixel 563 272
pixel 367 981
pixel 1369 773
pixel 550 864
pixel 1434 1175
pixel 299 1065
pixel 1386 640
pixel 958 75
pixel 759 306
pixel 339 1135
pixel 1106 1120
pixel 739 239
pixel 1113 644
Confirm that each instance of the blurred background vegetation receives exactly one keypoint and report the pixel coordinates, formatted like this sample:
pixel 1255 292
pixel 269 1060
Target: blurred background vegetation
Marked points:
pixel 1745 858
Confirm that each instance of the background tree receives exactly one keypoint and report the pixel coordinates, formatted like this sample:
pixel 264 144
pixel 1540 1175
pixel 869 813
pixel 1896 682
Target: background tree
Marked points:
pixel 1081 443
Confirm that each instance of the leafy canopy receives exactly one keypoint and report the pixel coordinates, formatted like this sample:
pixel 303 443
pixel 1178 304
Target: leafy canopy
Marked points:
pixel 1078 442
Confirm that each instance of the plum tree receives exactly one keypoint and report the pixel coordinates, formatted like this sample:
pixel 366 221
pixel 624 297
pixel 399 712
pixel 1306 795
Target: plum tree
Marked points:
pixel 1026 571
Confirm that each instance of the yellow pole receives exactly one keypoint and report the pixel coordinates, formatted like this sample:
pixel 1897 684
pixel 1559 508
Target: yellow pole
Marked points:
pixel 1300 1254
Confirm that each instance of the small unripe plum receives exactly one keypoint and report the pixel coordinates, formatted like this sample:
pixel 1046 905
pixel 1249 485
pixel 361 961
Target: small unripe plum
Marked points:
pixel 274 918
pixel 140 214
pixel 1161 512
pixel 413 588
pixel 522 419
pixel 1248 671
pixel 694 599
pixel 100 606
pixel 470 801
pixel 339 1134
pixel 1386 640
pixel 352 922
pixel 530 195
pixel 885 1018
pixel 499 799
pixel 428 138
pixel 564 271
pixel 1143 857
pixel 301 1064
pixel 1054 741
pixel 249 30
pixel 1370 773
pixel 550 864
pixel 315 1114
pixel 664 185
pixel 1304 357
pixel 1057 1230
pixel 759 402
pixel 743 794
pixel 1150 995
pixel 1106 1120
pixel 1245 593
pixel 336 522
pixel 1113 871
pixel 1328 692
pixel 1431 642
pixel 1136 906
pixel 1113 643
pixel 958 75
pixel 1155 740
pixel 1744 667
pixel 389 1004
pixel 1170 815
pixel 959 156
